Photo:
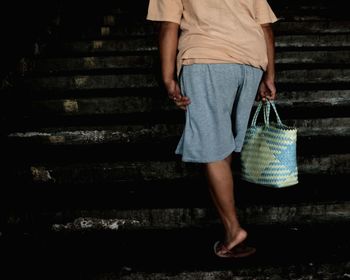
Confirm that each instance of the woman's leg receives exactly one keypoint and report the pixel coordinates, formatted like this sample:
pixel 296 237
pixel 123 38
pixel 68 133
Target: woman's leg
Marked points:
pixel 220 183
pixel 219 173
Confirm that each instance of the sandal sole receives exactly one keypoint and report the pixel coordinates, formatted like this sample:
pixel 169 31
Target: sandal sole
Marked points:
pixel 234 253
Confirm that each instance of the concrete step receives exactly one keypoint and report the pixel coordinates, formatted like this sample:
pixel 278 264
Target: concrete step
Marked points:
pixel 108 18
pixel 49 66
pixel 318 27
pixel 127 6
pixel 97 21
pixel 102 172
pixel 312 41
pixel 105 201
pixel 107 177
pixel 161 132
pixel 78 147
pixel 109 29
pixel 292 104
pixel 89 82
pixel 132 45
pixel 140 110
pixel 137 255
pixel 326 271
pixel 132 80
pixel 55 65
pixel 69 220
pixel 122 10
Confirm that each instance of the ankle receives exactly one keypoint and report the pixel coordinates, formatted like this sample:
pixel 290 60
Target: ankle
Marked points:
pixel 232 233
pixel 233 227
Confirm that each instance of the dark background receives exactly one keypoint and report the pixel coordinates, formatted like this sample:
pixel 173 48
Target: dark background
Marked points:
pixel 22 24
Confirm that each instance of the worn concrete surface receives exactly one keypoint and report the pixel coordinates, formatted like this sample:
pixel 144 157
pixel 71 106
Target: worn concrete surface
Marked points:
pixel 299 252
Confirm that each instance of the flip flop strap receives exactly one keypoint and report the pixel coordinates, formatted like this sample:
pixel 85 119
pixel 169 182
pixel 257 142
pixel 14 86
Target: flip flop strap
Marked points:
pixel 226 250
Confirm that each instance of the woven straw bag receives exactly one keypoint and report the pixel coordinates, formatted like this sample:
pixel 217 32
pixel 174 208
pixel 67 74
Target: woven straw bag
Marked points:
pixel 268 155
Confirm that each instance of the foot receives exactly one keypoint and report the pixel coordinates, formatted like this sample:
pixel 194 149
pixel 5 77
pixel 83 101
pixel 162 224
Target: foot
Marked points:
pixel 235 238
pixel 234 246
pixel 238 251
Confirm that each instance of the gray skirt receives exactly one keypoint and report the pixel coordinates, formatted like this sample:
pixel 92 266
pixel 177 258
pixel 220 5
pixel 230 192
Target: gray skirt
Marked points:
pixel 222 96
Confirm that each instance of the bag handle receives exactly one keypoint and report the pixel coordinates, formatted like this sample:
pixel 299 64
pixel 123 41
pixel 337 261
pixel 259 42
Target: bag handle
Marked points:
pixel 266 112
pixel 257 111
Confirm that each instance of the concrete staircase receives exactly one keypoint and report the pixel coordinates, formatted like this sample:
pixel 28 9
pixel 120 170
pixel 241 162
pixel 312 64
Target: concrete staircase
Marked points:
pixel 90 166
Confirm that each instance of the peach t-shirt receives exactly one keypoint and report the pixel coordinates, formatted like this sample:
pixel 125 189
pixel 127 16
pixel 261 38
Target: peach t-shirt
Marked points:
pixel 217 31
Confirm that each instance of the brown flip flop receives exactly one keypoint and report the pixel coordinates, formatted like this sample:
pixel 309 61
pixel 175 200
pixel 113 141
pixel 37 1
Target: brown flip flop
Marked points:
pixel 238 251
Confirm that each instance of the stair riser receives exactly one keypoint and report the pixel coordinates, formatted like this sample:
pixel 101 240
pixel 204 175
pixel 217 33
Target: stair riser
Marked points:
pixel 287 103
pixel 161 219
pixel 39 191
pixel 313 76
pixel 58 65
pixel 333 127
pixel 150 44
pixel 90 148
pixel 118 172
pixel 109 29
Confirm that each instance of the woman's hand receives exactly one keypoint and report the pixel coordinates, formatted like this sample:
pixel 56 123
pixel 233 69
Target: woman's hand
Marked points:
pixel 267 89
pixel 168 41
pixel 174 94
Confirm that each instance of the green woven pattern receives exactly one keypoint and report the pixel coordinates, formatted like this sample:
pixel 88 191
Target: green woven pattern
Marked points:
pixel 268 155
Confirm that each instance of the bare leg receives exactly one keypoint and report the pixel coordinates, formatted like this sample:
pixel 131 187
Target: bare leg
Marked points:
pixel 220 182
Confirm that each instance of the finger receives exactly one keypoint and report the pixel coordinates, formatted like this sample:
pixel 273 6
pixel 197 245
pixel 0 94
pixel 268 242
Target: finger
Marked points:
pixel 183 98
pixel 272 95
pixel 173 93
pixel 186 103
pixel 183 102
pixel 182 105
pixel 176 97
pixel 262 95
pixel 172 96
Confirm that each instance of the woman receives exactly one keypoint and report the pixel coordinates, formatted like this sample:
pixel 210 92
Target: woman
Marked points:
pixel 225 61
